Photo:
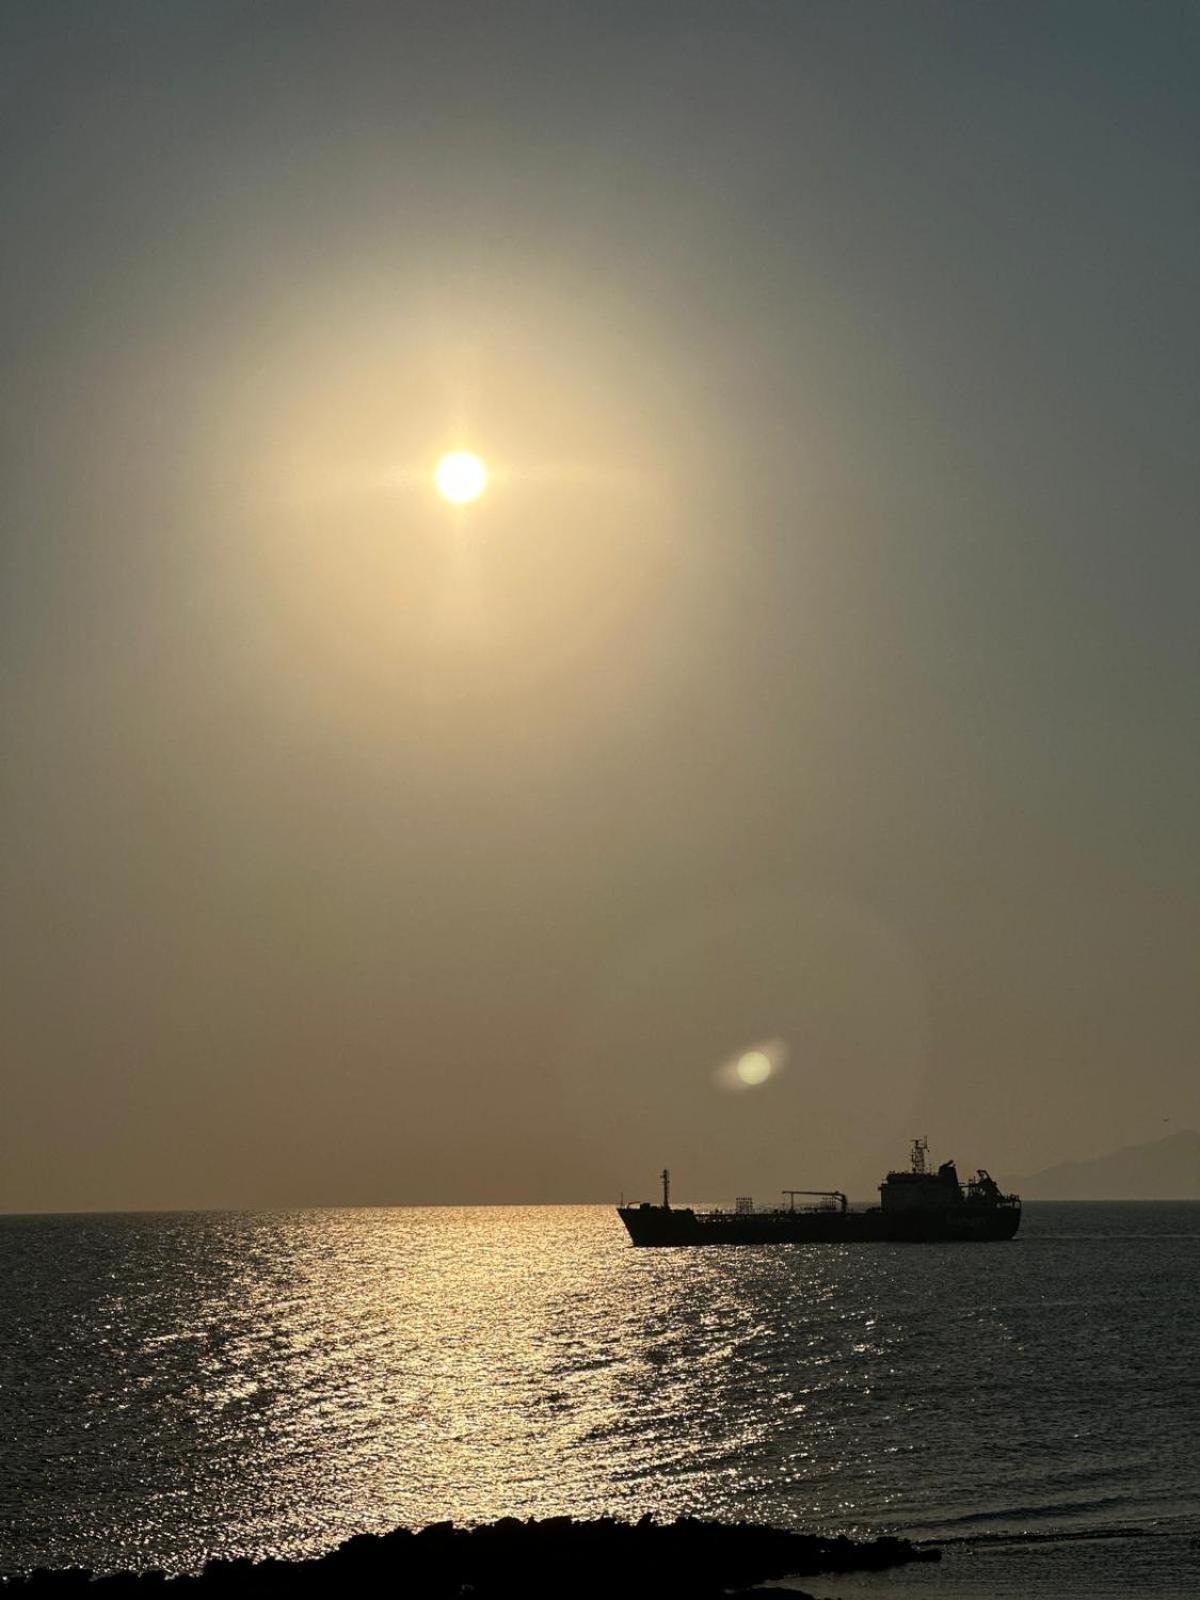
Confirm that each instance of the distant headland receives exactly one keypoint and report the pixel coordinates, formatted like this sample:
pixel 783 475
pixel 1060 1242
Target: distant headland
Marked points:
pixel 1163 1169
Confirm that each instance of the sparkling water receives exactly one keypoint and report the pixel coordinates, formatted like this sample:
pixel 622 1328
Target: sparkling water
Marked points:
pixel 178 1386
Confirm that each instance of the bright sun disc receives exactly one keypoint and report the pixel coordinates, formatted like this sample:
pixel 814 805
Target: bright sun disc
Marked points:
pixel 460 477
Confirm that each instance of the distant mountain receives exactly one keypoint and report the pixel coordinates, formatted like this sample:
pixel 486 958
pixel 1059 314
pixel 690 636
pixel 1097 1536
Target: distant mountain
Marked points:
pixel 1165 1169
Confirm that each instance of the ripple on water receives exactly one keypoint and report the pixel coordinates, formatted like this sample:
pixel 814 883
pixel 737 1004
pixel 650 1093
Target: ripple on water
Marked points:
pixel 174 1387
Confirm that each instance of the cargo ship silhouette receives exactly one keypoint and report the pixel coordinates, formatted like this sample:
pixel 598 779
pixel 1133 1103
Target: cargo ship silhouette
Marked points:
pixel 917 1206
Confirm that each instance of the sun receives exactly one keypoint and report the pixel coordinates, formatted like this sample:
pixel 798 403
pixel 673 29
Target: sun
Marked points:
pixel 460 476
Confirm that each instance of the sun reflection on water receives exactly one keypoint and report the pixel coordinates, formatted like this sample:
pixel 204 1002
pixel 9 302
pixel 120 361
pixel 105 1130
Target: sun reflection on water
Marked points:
pixel 255 1384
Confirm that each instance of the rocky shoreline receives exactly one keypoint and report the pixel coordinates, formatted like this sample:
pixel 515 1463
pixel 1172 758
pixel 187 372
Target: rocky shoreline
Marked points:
pixel 558 1556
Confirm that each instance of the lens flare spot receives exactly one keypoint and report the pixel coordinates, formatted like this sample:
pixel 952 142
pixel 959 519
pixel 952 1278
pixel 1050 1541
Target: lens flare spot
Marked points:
pixel 754 1067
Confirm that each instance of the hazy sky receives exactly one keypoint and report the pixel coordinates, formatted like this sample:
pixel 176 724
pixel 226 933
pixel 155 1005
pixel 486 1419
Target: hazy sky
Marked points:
pixel 822 666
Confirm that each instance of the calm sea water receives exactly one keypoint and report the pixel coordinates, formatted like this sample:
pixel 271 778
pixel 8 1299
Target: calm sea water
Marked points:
pixel 176 1386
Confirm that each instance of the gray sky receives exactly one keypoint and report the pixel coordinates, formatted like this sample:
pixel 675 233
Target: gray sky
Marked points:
pixel 822 665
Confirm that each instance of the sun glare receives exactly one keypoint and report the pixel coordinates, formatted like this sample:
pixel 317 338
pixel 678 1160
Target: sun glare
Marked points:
pixel 460 476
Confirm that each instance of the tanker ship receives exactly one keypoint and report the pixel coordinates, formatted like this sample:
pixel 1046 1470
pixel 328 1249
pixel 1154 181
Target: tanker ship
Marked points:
pixel 921 1205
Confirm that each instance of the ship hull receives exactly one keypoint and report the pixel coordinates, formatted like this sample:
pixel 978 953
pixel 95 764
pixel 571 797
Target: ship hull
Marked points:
pixel 668 1226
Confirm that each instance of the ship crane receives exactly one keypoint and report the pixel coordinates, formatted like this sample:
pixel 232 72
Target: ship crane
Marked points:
pixel 827 1194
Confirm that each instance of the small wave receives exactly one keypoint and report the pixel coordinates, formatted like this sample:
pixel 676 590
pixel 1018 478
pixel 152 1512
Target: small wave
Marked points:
pixel 1062 1536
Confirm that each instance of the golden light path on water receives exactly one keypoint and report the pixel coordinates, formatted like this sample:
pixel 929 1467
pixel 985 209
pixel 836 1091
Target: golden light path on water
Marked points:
pixel 298 1378
pixel 257 1384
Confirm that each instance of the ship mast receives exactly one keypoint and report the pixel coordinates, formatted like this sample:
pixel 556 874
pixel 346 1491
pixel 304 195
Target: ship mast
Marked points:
pixel 666 1178
pixel 920 1149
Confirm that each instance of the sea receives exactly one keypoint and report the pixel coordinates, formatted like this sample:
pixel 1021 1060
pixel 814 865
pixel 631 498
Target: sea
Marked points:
pixel 174 1387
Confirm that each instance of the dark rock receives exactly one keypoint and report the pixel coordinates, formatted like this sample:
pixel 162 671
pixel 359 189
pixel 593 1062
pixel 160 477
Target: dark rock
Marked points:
pixel 554 1559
